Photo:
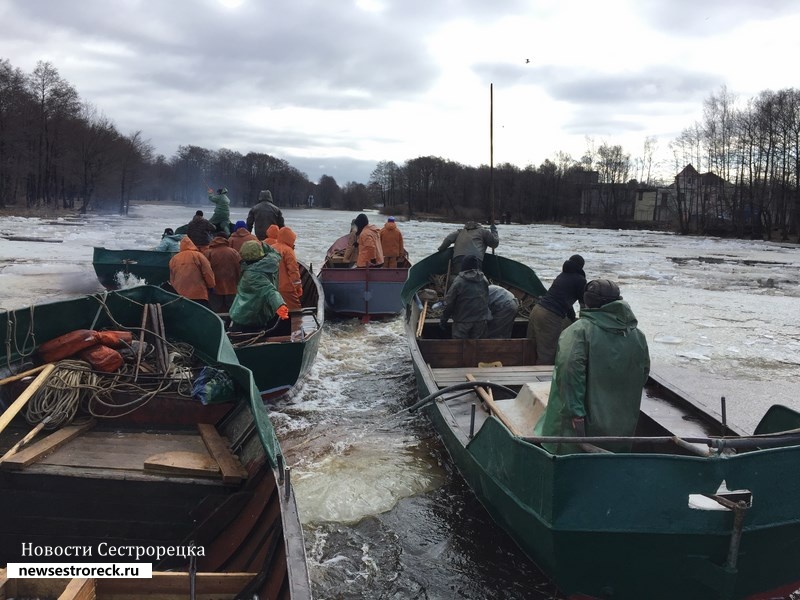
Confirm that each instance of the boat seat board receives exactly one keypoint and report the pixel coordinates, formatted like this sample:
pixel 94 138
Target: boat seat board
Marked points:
pixel 229 465
pixel 441 353
pixel 673 418
pixel 509 376
pixel 38 451
pixel 120 454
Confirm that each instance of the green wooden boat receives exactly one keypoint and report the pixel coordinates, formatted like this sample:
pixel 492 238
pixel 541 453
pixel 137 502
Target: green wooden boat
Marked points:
pixel 114 266
pixel 278 361
pixel 689 513
pixel 145 464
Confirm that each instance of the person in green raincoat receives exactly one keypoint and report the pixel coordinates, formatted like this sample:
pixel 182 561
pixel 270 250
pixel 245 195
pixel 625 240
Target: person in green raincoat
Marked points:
pixel 221 218
pixel 258 304
pixel 601 366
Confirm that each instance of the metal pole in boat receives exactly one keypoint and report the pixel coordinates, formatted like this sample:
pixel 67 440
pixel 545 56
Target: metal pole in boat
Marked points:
pixel 724 415
pixel 280 468
pixel 288 482
pixel 491 152
pixel 472 421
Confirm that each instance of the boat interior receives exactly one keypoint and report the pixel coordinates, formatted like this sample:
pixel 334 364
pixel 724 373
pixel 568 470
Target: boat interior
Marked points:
pixel 666 410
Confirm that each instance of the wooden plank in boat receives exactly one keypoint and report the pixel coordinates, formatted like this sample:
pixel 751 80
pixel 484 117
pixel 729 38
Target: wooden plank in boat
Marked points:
pixel 122 450
pixel 231 467
pixel 39 450
pixel 502 375
pixel 183 463
pixel 162 586
pixel 171 585
pixel 79 588
pixel 674 418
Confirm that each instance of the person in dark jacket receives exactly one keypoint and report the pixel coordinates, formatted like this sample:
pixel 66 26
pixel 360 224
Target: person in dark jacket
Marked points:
pixel 264 214
pixel 200 230
pixel 555 311
pixel 467 301
pixel 600 369
pixel 227 270
pixel 503 306
pixel 472 240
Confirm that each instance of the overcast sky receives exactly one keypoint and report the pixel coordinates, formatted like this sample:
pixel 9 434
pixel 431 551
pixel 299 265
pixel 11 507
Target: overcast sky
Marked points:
pixel 336 86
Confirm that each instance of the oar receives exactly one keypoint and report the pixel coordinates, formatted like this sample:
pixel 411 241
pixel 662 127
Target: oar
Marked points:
pixel 22 375
pixel 489 400
pixel 30 435
pixel 426 295
pixel 20 402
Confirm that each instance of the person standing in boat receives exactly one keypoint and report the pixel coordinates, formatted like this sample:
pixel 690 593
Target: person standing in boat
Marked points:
pixel 258 304
pixel 290 285
pixel 240 235
pixel 554 311
pixel 221 219
pixel 225 264
pixel 467 301
pixel 503 306
pixel 190 273
pixel 392 244
pixel 264 214
pixel 200 230
pixel 601 366
pixel 471 240
pixel 370 251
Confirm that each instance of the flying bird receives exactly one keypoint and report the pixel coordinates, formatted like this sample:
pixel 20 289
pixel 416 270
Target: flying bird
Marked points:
pixel 527 60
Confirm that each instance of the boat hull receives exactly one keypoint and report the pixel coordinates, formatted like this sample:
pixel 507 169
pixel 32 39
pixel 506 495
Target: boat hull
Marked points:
pixel 363 292
pixel 150 266
pixel 612 525
pixel 96 491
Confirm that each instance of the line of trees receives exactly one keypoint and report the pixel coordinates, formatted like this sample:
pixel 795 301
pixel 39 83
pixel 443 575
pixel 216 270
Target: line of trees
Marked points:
pixel 755 152
pixel 58 151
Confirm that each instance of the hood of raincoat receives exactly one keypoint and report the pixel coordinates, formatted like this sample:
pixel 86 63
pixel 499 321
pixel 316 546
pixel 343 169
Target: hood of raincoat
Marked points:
pixel 272 231
pixel 472 225
pixel 472 275
pixel 287 236
pixel 219 240
pixel 615 316
pixel 267 265
pixel 390 225
pixel 188 244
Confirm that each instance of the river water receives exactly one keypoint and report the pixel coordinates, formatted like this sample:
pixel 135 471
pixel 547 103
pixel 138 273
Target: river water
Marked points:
pixel 384 513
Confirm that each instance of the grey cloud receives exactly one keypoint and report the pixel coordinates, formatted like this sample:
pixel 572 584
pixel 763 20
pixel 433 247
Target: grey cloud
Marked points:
pixel 692 18
pixel 656 85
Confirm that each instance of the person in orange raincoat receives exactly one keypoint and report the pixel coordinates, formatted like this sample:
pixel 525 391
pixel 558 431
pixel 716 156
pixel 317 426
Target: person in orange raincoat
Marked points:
pixel 290 285
pixel 272 234
pixel 370 251
pixel 240 235
pixel 190 273
pixel 225 264
pixel 392 243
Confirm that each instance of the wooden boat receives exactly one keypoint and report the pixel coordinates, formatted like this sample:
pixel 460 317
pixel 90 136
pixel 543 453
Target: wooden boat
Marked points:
pixel 150 466
pixel 360 291
pixel 697 509
pixel 162 585
pixel 281 359
pixel 278 360
pixel 114 266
